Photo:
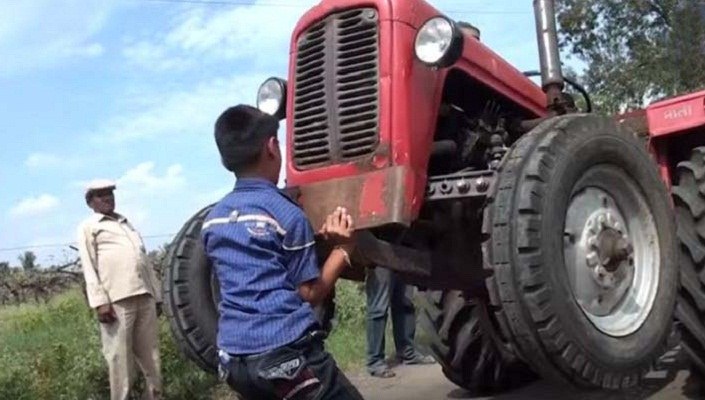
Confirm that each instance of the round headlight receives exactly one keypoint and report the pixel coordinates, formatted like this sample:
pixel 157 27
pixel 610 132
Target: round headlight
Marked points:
pixel 439 42
pixel 271 97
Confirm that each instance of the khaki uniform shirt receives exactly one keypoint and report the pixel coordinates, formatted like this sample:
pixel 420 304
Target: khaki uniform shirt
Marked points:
pixel 113 260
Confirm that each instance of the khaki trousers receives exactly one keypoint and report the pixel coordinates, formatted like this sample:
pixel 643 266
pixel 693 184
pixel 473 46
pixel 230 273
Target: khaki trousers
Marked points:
pixel 133 337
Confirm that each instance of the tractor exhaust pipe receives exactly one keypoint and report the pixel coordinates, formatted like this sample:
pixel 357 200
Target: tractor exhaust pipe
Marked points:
pixel 551 73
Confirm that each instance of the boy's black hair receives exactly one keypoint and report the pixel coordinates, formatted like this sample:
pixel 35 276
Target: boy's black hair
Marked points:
pixel 240 132
pixel 471 27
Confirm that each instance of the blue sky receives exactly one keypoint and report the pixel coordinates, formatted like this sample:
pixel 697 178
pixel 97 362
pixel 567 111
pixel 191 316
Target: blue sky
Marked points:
pixel 129 90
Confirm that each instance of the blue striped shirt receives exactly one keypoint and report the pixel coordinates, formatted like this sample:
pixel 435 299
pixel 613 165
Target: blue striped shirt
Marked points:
pixel 262 248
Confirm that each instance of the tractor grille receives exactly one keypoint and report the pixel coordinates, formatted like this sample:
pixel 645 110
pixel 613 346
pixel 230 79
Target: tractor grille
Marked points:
pixel 336 98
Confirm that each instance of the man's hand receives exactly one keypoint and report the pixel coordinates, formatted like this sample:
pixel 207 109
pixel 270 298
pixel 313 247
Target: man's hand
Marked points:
pixel 106 314
pixel 338 229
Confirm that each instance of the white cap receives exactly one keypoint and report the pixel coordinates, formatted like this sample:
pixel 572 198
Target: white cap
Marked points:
pixel 99 184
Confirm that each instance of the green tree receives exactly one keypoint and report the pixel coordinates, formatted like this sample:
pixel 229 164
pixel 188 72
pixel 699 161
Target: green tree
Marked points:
pixel 4 267
pixel 636 51
pixel 28 260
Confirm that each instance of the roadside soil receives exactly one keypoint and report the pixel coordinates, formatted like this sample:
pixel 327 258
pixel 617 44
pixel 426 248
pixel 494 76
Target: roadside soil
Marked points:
pixel 668 381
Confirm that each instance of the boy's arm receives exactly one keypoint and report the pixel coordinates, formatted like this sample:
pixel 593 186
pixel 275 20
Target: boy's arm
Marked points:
pixel 316 291
pixel 338 229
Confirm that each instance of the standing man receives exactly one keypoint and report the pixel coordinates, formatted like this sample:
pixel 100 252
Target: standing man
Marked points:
pixel 263 251
pixel 384 291
pixel 124 291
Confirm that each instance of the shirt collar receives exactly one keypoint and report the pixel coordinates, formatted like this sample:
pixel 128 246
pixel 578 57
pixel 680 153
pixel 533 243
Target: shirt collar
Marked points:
pixel 254 183
pixel 100 217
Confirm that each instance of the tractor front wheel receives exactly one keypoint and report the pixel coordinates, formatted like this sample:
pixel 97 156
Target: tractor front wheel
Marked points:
pixel 583 252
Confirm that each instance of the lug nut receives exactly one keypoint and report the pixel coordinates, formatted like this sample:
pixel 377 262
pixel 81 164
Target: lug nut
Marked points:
pixel 592 242
pixel 569 236
pixel 592 259
pixel 446 188
pixel 463 186
pixel 482 184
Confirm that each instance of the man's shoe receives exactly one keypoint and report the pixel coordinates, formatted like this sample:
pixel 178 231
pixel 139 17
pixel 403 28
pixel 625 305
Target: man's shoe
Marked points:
pixel 418 359
pixel 382 372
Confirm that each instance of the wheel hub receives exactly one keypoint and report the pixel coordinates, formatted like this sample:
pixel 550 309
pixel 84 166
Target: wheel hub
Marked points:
pixel 614 248
pixel 611 254
pixel 609 259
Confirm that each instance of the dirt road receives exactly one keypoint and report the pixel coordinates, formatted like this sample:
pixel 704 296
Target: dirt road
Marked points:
pixel 670 381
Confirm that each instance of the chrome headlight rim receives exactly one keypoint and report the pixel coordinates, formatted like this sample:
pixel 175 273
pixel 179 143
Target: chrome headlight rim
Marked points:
pixel 453 50
pixel 271 97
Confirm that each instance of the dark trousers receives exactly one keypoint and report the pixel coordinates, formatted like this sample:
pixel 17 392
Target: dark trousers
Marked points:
pixel 384 291
pixel 302 370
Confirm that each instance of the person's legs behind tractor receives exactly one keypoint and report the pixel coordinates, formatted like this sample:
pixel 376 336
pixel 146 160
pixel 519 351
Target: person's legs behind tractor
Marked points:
pixel 404 323
pixel 377 288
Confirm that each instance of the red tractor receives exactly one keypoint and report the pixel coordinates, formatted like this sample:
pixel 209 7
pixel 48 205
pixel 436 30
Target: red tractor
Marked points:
pixel 545 237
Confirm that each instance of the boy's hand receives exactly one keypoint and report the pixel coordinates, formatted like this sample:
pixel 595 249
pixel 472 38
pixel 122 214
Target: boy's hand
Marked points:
pixel 338 229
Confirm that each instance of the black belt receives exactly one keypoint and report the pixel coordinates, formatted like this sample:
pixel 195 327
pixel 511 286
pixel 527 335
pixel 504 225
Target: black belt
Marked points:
pixel 310 336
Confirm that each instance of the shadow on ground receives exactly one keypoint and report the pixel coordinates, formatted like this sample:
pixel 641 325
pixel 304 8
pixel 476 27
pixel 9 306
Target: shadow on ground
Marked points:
pixel 669 380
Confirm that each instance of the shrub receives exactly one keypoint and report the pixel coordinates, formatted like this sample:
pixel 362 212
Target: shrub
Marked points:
pixel 53 351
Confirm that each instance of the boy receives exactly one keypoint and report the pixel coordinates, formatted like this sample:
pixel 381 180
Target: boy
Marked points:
pixel 263 250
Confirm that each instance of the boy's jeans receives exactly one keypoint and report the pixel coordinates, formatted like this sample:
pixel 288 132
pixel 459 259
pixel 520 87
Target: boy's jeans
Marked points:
pixel 302 370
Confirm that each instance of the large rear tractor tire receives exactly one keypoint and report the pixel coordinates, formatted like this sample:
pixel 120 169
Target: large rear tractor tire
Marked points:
pixel 468 347
pixel 582 246
pixel 192 294
pixel 689 199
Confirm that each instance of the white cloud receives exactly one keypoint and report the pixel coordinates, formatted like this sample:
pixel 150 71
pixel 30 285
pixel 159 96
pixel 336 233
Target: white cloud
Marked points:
pixel 34 206
pixel 155 57
pixel 257 34
pixel 88 51
pixel 42 160
pixel 142 179
pixel 36 34
pixel 180 112
pixel 142 192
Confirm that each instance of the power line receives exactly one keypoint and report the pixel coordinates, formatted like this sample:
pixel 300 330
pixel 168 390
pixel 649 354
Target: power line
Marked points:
pixel 228 3
pixel 39 246
pixel 57 245
pixel 289 5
